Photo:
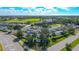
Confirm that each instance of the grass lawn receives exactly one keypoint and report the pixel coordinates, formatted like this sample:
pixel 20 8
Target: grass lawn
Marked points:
pixel 21 42
pixel 24 40
pixel 58 40
pixel 1 49
pixel 73 44
pixel 56 25
pixel 22 20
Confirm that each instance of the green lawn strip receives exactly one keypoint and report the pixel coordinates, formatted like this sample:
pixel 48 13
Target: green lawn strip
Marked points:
pixel 55 42
pixel 56 25
pixel 21 43
pixel 58 40
pixel 22 20
pixel 24 40
pixel 3 31
pixel 1 48
pixel 73 44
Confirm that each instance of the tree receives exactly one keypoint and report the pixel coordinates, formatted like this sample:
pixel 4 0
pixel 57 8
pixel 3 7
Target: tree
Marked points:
pixel 43 44
pixel 16 27
pixel 71 31
pixel 30 42
pixel 19 34
pixel 10 27
pixel 68 47
pixel 54 39
pixel 45 32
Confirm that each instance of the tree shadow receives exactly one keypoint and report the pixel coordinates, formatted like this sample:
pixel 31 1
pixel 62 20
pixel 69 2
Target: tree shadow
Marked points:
pixel 44 49
pixel 16 40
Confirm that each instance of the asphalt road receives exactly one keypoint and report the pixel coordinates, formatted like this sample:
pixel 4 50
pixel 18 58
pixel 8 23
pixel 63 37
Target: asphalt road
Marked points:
pixel 62 44
pixel 76 48
pixel 8 44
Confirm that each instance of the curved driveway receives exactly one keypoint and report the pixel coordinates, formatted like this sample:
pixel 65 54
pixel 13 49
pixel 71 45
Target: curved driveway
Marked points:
pixel 8 44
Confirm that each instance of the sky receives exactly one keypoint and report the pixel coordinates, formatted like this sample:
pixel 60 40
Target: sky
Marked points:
pixel 39 11
pixel 36 7
pixel 35 3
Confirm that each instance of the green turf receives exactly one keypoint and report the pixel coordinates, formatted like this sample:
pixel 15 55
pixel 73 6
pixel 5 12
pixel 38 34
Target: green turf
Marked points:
pixel 56 25
pixel 22 20
pixel 24 40
pixel 58 40
pixel 55 42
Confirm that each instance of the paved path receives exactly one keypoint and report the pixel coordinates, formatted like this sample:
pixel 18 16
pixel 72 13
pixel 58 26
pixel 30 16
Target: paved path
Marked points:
pixel 25 27
pixel 76 48
pixel 62 44
pixel 8 44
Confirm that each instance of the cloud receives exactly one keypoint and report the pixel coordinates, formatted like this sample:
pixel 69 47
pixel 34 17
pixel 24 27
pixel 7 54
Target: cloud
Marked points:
pixel 64 8
pixel 39 11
